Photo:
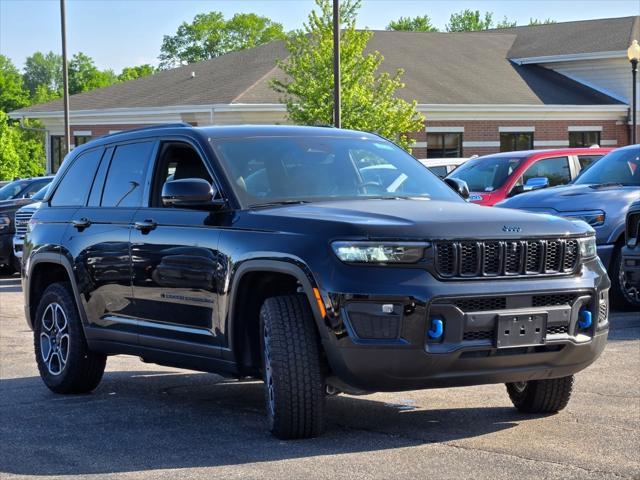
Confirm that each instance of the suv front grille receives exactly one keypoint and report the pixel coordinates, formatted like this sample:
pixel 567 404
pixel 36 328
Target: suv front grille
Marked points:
pixel 21 221
pixel 481 259
pixel 485 304
pixel 633 228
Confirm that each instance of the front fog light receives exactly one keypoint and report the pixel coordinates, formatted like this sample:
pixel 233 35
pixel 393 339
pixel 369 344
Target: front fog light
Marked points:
pixel 379 252
pixel 588 247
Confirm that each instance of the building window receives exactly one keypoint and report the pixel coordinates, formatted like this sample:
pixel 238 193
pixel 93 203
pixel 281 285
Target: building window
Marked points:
pixel 584 139
pixel 57 152
pixel 512 141
pixel 444 145
pixel 81 139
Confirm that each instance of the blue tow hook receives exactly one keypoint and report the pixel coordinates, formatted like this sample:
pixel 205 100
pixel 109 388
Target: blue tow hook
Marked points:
pixel 584 320
pixel 437 328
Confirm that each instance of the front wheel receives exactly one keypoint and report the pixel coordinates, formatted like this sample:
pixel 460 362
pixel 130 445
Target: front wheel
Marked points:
pixel 541 396
pixel 65 362
pixel 294 387
pixel 623 294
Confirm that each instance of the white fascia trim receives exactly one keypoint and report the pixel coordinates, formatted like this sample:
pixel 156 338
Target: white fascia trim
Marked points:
pixel 111 132
pixel 444 129
pixel 487 143
pixel 584 128
pixel 608 143
pixel 516 129
pixel 510 108
pixel 571 57
pixel 168 110
pixel 419 145
pixel 82 133
pixel 551 143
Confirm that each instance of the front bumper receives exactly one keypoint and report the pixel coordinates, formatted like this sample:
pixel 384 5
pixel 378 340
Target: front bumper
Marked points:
pixel 379 341
pixel 631 266
pixel 18 245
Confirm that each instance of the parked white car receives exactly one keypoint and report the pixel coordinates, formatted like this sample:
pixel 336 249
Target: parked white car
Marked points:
pixel 443 166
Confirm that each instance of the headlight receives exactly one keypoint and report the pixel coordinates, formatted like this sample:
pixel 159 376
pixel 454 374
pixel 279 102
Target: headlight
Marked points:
pixel 595 218
pixel 5 221
pixel 588 247
pixel 379 252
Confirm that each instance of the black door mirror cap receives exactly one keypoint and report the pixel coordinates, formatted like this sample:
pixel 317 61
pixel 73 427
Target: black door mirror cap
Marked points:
pixel 190 193
pixel 459 186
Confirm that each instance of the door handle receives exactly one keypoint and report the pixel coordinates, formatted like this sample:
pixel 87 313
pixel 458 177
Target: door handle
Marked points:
pixel 145 226
pixel 81 223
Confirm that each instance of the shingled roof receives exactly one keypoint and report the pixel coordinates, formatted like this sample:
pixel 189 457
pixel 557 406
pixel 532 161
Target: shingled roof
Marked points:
pixel 440 68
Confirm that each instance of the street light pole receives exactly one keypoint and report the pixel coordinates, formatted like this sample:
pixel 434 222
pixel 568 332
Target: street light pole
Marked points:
pixel 65 79
pixel 336 63
pixel 633 53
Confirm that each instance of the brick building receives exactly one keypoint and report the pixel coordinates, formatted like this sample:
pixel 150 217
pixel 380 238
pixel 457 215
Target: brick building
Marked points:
pixel 557 85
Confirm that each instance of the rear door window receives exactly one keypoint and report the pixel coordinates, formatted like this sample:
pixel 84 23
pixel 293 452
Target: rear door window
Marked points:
pixel 125 179
pixel 555 169
pixel 74 187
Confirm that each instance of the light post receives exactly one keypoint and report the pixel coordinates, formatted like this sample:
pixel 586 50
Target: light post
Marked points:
pixel 336 64
pixel 633 53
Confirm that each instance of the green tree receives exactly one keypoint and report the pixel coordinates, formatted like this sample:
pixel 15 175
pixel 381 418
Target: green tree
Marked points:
pixel 209 35
pixel 85 76
pixel 43 70
pixel 369 100
pixel 21 151
pixel 506 23
pixel 416 24
pixel 12 92
pixel 535 21
pixel 131 73
pixel 469 21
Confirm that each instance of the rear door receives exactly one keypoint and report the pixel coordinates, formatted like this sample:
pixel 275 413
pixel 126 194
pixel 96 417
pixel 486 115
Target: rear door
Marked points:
pixel 99 239
pixel 177 268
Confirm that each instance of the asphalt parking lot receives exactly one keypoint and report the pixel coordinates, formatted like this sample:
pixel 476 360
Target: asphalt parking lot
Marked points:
pixel 147 421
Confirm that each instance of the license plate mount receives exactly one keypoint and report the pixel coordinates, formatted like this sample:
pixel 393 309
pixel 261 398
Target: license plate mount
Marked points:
pixel 521 330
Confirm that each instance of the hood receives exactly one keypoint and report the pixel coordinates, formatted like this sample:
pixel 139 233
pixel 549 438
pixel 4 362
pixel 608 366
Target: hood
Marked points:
pixel 14 204
pixel 406 219
pixel 571 198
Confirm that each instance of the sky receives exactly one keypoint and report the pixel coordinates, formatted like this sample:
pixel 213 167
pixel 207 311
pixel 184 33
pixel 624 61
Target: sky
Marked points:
pixel 119 33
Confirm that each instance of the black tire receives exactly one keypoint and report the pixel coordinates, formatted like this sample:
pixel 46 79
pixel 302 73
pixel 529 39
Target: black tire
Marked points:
pixel 292 372
pixel 541 396
pixel 622 295
pixel 82 370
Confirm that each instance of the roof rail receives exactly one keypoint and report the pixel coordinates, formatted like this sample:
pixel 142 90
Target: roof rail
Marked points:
pixel 150 127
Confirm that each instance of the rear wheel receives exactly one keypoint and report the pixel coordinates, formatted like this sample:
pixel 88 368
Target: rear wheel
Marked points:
pixel 294 387
pixel 541 396
pixel 65 362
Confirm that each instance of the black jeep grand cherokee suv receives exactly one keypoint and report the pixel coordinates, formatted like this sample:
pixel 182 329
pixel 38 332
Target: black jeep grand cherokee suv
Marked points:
pixel 276 252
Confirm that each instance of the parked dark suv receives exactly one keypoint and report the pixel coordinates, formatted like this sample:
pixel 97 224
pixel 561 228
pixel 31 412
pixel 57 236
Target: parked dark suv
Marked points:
pixel 630 267
pixel 262 252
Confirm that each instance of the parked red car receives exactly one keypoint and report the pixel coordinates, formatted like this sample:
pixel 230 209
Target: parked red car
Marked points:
pixel 493 178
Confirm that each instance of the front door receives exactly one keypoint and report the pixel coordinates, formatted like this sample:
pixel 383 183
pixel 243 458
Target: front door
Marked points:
pixel 176 264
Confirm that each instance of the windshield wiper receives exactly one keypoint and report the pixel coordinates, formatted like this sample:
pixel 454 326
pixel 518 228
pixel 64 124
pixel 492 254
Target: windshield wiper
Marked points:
pixel 278 203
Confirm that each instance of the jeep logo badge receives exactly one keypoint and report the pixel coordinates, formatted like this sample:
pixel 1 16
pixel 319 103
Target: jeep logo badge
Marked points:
pixel 511 229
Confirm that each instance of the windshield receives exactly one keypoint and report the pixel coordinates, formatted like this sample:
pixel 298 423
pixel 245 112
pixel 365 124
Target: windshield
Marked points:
pixel 267 170
pixel 11 190
pixel 40 193
pixel 485 174
pixel 620 167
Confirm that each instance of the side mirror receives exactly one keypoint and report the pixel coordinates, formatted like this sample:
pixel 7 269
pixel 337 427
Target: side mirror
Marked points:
pixel 188 192
pixel 459 186
pixel 536 183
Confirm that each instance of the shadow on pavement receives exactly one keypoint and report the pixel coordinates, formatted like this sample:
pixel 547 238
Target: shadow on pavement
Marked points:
pixel 153 420
pixel 624 326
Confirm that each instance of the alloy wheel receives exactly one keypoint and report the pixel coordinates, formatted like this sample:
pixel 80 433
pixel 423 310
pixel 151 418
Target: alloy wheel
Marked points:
pixel 54 339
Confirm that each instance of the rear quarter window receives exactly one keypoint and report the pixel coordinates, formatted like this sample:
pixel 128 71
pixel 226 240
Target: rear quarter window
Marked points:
pixel 125 179
pixel 76 183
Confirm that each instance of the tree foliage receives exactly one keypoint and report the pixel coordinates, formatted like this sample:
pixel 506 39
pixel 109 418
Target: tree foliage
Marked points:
pixel 369 100
pixel 131 73
pixel 209 35
pixel 469 21
pixel 420 23
pixel 43 71
pixel 85 76
pixel 506 23
pixel 21 151
pixel 536 21
pixel 12 92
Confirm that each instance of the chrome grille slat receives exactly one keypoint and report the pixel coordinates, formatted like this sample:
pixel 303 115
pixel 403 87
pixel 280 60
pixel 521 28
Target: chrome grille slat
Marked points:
pixel 499 258
pixel 21 220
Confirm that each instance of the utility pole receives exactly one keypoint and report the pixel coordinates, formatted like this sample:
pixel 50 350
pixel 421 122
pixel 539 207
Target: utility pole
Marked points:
pixel 336 63
pixel 65 79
